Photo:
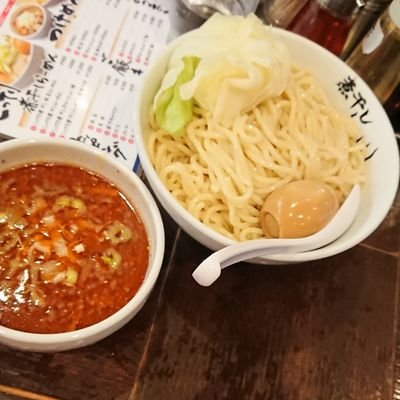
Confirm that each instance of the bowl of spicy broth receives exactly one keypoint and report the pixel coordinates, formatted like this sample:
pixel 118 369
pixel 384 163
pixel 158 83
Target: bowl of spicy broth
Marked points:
pixel 81 244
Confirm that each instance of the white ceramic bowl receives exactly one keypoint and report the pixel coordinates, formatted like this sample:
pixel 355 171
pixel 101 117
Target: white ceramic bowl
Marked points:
pixel 18 152
pixel 377 195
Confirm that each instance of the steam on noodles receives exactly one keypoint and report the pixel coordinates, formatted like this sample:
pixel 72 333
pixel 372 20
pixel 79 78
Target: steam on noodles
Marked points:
pixel 251 128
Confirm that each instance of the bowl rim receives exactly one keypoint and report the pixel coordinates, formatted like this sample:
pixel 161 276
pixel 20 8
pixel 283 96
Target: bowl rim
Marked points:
pixel 153 270
pixel 165 197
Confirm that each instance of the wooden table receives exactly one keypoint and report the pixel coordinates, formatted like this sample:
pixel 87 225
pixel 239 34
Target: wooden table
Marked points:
pixel 325 330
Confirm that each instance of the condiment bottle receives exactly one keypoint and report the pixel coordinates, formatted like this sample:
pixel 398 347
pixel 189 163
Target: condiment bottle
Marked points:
pixel 365 20
pixel 326 22
pixel 281 12
pixel 377 58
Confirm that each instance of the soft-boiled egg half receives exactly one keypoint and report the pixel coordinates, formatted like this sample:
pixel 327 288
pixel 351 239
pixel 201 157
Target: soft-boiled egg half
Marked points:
pixel 298 209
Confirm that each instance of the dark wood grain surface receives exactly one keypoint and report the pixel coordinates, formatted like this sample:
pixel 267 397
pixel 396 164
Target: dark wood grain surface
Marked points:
pixel 325 330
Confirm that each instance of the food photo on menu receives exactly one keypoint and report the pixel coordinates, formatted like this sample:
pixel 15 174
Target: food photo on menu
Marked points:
pixel 30 20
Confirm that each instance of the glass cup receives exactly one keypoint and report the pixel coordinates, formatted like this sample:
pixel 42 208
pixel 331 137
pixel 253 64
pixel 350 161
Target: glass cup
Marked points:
pixel 190 14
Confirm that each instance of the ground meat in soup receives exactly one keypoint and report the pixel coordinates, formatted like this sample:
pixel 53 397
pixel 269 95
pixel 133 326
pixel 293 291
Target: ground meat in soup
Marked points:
pixel 72 249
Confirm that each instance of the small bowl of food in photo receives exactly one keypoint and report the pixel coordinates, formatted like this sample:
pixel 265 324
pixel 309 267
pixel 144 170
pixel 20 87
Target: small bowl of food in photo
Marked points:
pixel 81 244
pixel 19 61
pixel 30 21
pixel 239 123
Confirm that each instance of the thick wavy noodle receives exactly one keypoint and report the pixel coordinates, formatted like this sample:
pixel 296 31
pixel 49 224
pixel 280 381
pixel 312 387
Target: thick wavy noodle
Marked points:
pixel 222 176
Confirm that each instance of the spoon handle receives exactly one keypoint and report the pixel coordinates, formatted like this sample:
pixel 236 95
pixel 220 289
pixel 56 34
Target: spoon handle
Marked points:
pixel 210 269
pixel 244 251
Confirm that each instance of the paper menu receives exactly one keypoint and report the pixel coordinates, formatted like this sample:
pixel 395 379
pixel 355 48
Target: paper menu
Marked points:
pixel 75 74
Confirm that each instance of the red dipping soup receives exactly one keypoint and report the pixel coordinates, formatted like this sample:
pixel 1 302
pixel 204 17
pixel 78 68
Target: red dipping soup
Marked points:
pixel 73 250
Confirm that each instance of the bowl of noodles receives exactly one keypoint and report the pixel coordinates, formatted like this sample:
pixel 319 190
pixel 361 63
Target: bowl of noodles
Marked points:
pixel 233 113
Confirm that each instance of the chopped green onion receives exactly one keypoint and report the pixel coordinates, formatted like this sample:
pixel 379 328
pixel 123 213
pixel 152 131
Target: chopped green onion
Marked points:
pixel 62 202
pixel 78 204
pixel 79 248
pixel 69 202
pixel 3 217
pixel 19 223
pixel 37 296
pixel 112 258
pixel 49 270
pixel 48 219
pixel 60 247
pixel 16 220
pixel 8 240
pixel 37 251
pixel 34 271
pixel 59 277
pixel 37 204
pixel 15 266
pixel 118 233
pixel 71 277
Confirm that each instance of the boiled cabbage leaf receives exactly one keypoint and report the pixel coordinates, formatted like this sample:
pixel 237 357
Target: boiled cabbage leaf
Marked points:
pixel 172 112
pixel 240 64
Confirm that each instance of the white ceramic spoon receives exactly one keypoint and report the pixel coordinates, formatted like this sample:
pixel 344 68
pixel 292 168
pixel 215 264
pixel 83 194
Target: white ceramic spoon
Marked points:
pixel 210 269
